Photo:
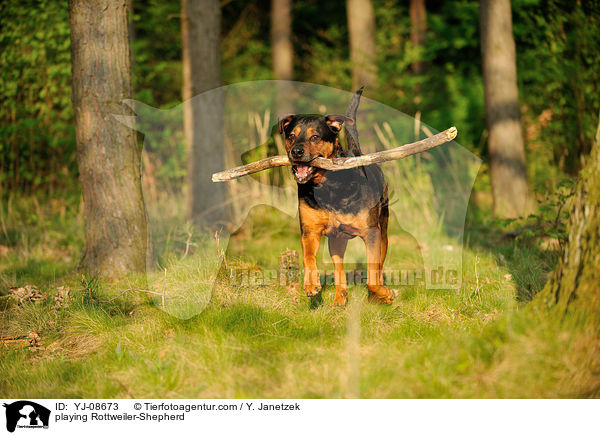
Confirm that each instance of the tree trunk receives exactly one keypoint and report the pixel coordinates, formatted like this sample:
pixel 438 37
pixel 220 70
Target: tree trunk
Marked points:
pixel 418 21
pixel 505 140
pixel 107 151
pixel 575 284
pixel 281 30
pixel 203 116
pixel 282 53
pixel 361 27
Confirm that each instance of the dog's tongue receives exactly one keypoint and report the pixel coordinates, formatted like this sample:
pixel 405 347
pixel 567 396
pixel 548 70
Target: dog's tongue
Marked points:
pixel 302 171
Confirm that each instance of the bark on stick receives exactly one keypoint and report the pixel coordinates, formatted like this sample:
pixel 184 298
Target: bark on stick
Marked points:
pixel 339 164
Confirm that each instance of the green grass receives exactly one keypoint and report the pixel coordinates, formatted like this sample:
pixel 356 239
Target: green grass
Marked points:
pixel 263 340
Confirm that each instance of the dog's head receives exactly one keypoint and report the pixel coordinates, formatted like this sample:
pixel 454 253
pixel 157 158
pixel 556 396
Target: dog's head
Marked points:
pixel 308 137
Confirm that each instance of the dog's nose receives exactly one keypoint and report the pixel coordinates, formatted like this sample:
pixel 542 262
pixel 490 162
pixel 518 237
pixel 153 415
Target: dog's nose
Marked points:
pixel 297 152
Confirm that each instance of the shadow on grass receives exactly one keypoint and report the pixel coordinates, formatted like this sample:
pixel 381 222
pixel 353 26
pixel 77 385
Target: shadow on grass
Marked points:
pixel 245 321
pixel 527 261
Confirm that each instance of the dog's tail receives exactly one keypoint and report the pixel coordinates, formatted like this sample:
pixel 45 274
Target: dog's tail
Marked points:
pixel 351 130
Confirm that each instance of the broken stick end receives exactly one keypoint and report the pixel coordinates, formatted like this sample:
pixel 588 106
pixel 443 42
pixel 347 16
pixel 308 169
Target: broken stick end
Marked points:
pixel 452 132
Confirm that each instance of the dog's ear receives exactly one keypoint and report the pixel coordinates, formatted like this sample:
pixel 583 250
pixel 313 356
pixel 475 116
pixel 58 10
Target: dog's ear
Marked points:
pixel 335 122
pixel 284 121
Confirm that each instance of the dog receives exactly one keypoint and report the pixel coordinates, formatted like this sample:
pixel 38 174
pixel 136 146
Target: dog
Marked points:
pixel 339 204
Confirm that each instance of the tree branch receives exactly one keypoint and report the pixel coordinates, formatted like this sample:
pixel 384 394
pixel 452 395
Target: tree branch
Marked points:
pixel 341 163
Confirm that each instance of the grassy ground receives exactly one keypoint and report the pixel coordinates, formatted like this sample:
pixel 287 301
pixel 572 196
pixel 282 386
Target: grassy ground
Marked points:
pixel 266 340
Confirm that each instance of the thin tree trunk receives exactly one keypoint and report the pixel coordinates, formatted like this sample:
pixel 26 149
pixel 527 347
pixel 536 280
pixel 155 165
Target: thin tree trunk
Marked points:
pixel 203 116
pixel 283 54
pixel 361 27
pixel 281 30
pixel 107 151
pixel 505 140
pixel 418 21
pixel 575 284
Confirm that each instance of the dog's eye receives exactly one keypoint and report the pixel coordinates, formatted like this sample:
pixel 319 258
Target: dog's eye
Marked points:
pixel 314 138
pixel 292 136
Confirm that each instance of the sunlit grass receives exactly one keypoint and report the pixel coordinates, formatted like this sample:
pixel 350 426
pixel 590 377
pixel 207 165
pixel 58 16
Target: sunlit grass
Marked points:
pixel 218 339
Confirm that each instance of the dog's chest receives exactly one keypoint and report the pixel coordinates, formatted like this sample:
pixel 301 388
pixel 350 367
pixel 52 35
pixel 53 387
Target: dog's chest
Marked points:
pixel 347 192
pixel 345 226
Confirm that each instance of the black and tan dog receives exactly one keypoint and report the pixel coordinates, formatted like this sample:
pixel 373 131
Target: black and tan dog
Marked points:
pixel 339 204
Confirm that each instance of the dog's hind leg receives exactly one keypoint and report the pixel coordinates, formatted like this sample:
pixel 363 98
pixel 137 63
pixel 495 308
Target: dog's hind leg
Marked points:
pixel 337 248
pixel 383 226
pixel 383 249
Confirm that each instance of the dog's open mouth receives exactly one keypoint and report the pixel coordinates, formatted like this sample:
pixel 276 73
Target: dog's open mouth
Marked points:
pixel 303 173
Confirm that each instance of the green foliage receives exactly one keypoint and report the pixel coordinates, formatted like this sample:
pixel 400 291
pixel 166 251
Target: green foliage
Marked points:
pixel 558 58
pixel 37 146
pixel 450 90
pixel 156 52
pixel 245 46
pixel 553 211
pixel 551 217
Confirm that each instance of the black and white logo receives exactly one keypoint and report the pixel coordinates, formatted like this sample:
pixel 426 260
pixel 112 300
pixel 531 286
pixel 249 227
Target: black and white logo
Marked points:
pixel 25 414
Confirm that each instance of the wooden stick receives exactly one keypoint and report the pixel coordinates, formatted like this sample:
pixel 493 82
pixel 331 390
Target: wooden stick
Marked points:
pixel 341 163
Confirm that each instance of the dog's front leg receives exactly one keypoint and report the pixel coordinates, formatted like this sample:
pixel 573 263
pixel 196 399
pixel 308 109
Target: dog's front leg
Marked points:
pixel 377 291
pixel 310 247
pixel 337 248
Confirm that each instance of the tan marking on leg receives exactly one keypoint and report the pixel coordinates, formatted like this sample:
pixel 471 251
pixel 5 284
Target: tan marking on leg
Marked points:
pixel 337 248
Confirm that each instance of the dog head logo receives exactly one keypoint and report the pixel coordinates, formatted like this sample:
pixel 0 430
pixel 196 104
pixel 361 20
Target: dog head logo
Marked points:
pixel 26 414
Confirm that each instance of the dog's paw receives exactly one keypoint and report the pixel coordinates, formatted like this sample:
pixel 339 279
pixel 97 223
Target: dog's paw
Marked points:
pixel 340 299
pixel 311 290
pixel 380 294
